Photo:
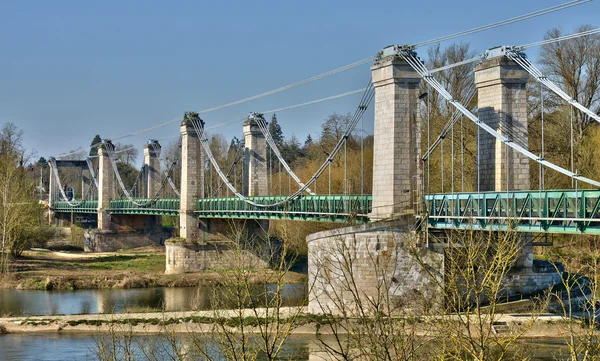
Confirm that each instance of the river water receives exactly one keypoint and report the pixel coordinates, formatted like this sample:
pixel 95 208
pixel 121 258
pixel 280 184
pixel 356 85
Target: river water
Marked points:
pixel 59 347
pixel 43 303
pixel 65 347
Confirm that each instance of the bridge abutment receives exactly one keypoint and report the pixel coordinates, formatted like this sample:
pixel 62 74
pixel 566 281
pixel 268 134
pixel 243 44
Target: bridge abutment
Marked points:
pixel 397 139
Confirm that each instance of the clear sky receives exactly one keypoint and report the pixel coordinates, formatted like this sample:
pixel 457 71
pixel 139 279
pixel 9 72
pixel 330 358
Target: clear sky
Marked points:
pixel 73 69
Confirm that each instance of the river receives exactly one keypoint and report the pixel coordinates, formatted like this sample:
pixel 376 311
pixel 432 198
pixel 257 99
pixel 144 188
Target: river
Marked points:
pixel 47 303
pixel 65 347
pixel 69 346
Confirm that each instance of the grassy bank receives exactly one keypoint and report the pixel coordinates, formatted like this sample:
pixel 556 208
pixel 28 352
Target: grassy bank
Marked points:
pixel 136 268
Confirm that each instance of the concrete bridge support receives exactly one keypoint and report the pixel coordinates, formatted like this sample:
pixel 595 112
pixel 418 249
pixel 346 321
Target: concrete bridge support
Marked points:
pixel 106 185
pixel 502 102
pixel 192 180
pixel 255 158
pixel 501 85
pixel 52 195
pixel 397 139
pixel 152 176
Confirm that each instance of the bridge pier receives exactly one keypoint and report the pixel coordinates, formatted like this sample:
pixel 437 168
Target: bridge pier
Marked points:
pixel 152 177
pixel 106 185
pixel 397 139
pixel 52 195
pixel 192 179
pixel 502 102
pixel 255 158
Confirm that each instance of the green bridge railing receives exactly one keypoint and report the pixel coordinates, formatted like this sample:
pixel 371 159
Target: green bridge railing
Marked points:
pixel 159 207
pixel 552 211
pixel 83 207
pixel 334 208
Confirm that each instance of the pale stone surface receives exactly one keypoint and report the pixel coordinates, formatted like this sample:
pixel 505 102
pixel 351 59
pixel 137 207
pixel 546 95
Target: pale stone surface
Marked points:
pixel 375 261
pixel 192 180
pixel 192 257
pixel 106 185
pixel 110 241
pixel 153 178
pixel 501 85
pixel 397 138
pixel 255 160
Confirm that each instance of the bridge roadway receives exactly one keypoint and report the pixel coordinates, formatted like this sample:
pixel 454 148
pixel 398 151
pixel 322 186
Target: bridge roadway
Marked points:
pixel 547 211
pixel 326 208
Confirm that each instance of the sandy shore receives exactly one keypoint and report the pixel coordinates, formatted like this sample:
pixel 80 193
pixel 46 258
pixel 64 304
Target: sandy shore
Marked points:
pixel 544 326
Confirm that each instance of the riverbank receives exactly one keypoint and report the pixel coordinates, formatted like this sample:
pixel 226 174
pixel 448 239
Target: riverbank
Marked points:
pixel 545 326
pixel 134 268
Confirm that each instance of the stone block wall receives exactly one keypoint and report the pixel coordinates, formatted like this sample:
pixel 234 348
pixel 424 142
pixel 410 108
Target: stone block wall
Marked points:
pixel 110 241
pixel 255 159
pixel 371 263
pixel 191 257
pixel 397 138
pixel 502 102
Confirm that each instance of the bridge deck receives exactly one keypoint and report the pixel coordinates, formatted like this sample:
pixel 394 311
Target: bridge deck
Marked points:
pixel 551 211
pixel 334 208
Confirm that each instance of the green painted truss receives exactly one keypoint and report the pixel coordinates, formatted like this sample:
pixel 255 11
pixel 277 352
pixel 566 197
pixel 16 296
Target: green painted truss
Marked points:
pixel 334 208
pixel 551 211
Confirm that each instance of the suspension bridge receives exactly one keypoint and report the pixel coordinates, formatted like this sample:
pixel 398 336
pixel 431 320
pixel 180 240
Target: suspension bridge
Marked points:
pixel 502 200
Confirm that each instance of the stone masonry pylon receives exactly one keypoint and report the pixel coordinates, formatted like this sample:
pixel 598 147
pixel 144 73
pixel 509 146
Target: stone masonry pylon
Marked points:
pixel 397 138
pixel 153 179
pixel 255 158
pixel 192 178
pixel 501 85
pixel 106 182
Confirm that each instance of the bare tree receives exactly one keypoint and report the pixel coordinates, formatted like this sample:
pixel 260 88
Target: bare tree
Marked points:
pixel 574 65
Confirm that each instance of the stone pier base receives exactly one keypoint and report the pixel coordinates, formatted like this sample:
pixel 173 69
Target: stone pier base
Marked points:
pixel 372 264
pixel 185 257
pixel 110 241
pixel 381 267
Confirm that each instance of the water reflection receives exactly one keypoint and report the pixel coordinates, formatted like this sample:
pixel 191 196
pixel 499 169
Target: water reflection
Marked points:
pixel 81 347
pixel 28 303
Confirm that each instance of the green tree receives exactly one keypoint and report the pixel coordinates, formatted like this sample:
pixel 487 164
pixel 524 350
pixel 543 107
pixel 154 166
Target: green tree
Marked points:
pixel 291 150
pixel 94 145
pixel 276 132
pixel 18 209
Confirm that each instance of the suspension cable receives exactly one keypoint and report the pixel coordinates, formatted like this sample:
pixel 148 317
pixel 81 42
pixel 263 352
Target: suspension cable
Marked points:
pixel 410 57
pixel 54 167
pixel 561 38
pixel 450 125
pixel 367 98
pixel 502 22
pixel 262 124
pixel 519 57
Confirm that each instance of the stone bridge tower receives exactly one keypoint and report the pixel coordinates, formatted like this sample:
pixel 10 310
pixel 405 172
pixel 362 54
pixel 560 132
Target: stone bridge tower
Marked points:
pixel 397 139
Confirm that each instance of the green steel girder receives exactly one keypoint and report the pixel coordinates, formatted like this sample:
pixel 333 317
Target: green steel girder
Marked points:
pixel 159 207
pixel 83 207
pixel 551 211
pixel 334 208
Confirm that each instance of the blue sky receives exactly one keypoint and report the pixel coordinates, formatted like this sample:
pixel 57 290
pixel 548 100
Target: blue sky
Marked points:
pixel 73 69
